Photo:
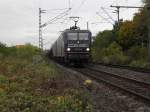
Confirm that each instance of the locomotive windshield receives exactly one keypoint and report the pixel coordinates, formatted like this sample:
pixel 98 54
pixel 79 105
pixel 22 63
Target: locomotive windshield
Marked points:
pixel 78 39
pixel 72 36
pixel 83 36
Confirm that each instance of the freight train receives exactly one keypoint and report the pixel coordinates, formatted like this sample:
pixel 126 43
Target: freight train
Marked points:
pixel 72 46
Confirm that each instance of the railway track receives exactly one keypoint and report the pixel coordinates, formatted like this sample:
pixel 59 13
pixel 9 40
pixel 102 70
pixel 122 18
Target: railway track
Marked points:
pixel 136 69
pixel 135 87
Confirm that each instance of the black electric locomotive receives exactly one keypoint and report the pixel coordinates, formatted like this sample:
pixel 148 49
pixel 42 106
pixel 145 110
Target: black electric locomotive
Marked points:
pixel 73 46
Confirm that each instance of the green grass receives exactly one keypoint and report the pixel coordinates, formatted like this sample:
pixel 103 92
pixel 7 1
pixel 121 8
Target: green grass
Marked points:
pixel 30 83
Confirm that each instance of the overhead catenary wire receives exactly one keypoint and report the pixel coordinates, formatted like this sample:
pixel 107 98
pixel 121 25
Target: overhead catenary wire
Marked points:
pixel 64 19
pixel 81 4
pixel 104 18
pixel 50 10
pixel 61 15
pixel 95 23
pixel 107 14
pixel 56 18
pixel 98 23
pixel 69 4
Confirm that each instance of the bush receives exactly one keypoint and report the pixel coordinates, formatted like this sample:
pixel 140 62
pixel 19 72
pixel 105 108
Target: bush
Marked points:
pixel 27 51
pixel 139 57
pixel 103 40
pixel 114 54
pixel 138 53
pixel 30 83
pixel 140 63
pixel 3 49
pixel 23 51
pixel 97 54
pixel 2 45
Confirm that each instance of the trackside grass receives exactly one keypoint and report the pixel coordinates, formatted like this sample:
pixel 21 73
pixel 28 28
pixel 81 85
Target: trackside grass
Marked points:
pixel 29 83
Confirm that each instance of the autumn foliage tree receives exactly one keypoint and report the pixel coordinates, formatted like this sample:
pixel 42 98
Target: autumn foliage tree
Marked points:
pixel 130 37
pixel 127 34
pixel 141 26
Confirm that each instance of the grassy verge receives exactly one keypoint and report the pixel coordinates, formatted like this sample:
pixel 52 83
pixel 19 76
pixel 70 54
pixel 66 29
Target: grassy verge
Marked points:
pixel 28 83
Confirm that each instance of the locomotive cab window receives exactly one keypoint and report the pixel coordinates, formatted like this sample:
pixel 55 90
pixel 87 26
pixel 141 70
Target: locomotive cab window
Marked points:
pixel 72 36
pixel 83 36
pixel 78 39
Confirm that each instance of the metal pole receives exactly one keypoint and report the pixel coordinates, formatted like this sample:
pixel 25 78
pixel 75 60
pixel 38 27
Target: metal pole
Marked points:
pixel 40 28
pixel 40 31
pixel 149 35
pixel 118 12
pixel 148 11
pixel 87 25
pixel 69 4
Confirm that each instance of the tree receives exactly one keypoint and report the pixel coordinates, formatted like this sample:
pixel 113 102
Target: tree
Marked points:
pixel 127 34
pixel 2 45
pixel 103 39
pixel 146 2
pixel 141 26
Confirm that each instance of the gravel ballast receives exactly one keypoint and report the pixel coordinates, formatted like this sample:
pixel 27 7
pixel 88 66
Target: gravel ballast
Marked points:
pixel 106 98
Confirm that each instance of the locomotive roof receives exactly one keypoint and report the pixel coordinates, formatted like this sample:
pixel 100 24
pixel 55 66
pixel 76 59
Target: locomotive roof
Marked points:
pixel 68 30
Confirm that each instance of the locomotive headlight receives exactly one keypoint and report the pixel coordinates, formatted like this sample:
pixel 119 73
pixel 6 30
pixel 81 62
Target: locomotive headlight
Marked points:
pixel 68 49
pixel 87 49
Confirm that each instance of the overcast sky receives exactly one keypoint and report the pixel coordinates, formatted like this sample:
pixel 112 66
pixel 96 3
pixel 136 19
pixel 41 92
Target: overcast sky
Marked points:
pixel 19 18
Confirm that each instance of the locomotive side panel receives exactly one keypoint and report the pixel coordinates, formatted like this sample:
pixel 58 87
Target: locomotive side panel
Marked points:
pixel 60 46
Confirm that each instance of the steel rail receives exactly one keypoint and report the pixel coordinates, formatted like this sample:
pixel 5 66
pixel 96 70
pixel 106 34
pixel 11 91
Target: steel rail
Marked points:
pixel 119 76
pixel 98 78
pixel 136 69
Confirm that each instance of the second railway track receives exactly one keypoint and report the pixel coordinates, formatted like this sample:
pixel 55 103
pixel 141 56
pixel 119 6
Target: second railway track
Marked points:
pixel 136 69
pixel 135 87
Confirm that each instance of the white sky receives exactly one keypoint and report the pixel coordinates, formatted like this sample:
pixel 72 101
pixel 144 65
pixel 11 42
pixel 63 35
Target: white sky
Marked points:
pixel 19 18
